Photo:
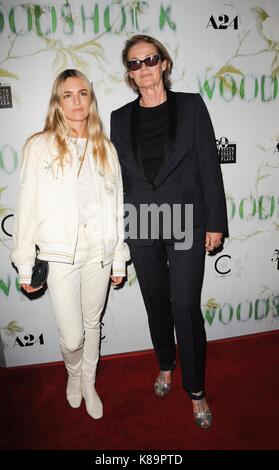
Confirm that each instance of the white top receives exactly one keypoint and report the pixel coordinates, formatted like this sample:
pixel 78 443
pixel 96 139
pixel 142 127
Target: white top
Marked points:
pixel 86 191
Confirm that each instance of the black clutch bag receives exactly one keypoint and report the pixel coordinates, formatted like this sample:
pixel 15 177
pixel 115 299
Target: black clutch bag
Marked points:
pixel 39 273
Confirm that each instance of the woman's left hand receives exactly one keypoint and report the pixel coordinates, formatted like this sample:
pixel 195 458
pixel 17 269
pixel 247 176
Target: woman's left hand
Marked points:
pixel 213 240
pixel 116 280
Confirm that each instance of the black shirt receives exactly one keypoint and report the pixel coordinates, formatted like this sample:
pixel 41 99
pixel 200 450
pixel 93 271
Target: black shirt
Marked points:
pixel 151 138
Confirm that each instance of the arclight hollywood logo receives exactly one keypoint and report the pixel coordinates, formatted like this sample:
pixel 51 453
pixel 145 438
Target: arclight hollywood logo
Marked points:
pixel 226 150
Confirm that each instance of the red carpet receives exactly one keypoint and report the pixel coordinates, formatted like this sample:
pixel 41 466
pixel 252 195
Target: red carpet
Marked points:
pixel 243 390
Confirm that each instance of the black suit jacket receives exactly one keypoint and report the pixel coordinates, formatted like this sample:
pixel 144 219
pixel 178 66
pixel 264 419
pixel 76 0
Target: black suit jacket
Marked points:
pixel 190 172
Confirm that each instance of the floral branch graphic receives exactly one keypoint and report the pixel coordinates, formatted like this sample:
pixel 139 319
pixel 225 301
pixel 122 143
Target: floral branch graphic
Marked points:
pixel 244 237
pixel 75 55
pixel 210 309
pixel 272 46
pixel 3 209
pixel 5 72
pixel 132 276
pixel 261 172
pixel 68 55
pixel 11 329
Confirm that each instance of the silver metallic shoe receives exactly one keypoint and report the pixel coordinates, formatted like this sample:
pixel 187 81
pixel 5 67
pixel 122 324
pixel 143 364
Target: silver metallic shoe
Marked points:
pixel 161 388
pixel 203 418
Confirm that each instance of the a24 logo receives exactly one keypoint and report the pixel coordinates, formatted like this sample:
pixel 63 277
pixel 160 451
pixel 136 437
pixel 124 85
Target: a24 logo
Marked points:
pixel 223 22
pixel 28 340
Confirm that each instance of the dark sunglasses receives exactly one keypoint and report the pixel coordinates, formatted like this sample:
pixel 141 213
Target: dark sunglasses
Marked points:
pixel 150 61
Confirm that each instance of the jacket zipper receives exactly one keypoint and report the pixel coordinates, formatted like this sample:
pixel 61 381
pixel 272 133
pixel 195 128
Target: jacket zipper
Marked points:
pixel 76 200
pixel 98 212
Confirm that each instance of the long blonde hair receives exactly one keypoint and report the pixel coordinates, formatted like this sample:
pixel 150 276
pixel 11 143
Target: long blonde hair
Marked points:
pixel 55 123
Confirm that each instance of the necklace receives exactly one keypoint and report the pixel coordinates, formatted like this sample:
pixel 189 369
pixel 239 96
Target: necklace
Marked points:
pixel 82 157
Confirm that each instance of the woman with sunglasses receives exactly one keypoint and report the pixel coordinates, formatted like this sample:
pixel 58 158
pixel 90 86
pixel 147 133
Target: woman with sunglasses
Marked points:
pixel 70 205
pixel 167 151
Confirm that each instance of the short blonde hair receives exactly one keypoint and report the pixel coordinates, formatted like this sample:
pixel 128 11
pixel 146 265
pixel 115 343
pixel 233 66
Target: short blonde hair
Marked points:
pixel 136 39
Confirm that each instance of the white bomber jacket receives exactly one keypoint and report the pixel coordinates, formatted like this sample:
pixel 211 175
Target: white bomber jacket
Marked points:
pixel 47 209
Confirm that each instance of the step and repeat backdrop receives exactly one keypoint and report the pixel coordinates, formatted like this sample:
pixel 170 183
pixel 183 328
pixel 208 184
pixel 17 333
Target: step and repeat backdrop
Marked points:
pixel 226 51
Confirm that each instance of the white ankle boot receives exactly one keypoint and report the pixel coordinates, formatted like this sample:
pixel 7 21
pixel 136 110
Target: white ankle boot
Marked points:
pixel 93 403
pixel 73 391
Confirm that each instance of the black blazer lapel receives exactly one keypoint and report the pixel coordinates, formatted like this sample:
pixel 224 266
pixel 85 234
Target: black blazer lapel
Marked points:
pixel 171 128
pixel 124 122
pixel 171 124
pixel 171 131
pixel 171 156
pixel 134 138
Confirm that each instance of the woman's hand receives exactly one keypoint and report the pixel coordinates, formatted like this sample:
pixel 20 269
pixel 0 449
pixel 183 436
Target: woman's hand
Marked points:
pixel 213 240
pixel 116 280
pixel 29 289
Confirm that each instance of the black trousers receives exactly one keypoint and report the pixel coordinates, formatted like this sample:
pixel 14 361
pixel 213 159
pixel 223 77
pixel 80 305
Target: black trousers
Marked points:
pixel 171 283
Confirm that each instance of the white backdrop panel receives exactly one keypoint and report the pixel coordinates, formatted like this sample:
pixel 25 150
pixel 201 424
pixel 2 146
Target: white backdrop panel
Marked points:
pixel 233 61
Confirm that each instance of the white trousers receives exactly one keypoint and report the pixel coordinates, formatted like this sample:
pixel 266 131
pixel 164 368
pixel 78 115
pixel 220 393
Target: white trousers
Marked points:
pixel 78 294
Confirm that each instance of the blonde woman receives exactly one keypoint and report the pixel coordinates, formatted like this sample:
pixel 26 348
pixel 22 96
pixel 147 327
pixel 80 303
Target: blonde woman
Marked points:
pixel 70 205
